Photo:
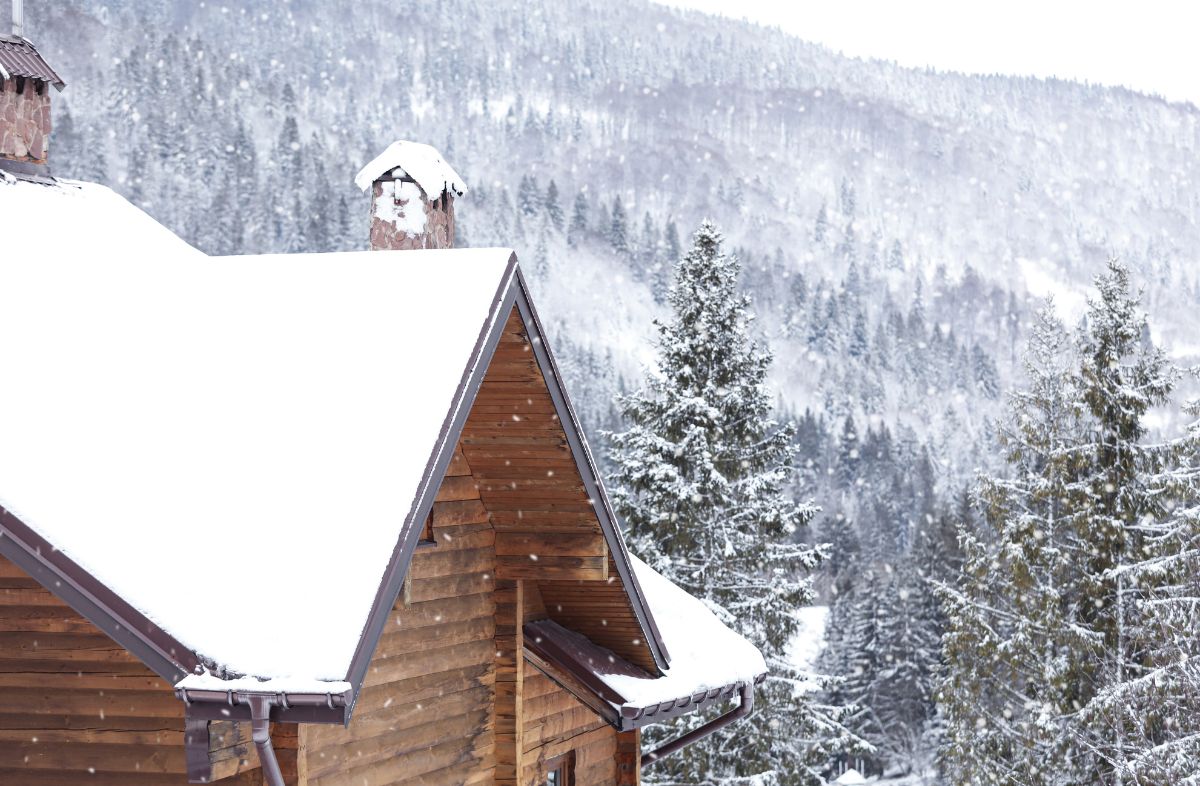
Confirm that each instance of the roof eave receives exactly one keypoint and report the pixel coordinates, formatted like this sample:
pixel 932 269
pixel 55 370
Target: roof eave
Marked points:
pixel 91 599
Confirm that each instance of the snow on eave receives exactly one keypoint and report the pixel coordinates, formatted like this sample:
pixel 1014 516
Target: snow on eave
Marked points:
pixel 709 659
pixel 211 682
pixel 421 162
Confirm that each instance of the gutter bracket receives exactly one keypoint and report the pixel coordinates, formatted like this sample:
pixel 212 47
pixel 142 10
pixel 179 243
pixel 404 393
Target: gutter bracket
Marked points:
pixel 716 724
pixel 195 750
pixel 260 727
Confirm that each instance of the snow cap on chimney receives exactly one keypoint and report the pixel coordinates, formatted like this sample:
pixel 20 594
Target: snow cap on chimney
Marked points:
pixel 412 197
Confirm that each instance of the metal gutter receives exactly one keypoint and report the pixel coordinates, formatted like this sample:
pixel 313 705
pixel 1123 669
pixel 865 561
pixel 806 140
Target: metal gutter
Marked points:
pixel 743 709
pixel 592 481
pixel 201 707
pixel 575 663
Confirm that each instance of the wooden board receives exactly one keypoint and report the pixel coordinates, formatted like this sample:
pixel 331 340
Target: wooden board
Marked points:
pixel 76 707
pixel 427 711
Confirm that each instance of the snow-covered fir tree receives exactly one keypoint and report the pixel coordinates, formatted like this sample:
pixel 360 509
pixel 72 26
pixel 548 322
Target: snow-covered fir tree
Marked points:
pixel 1047 627
pixel 1010 679
pixel 1159 701
pixel 702 479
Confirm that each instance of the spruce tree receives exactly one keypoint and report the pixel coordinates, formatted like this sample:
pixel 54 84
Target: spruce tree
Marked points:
pixel 579 221
pixel 618 228
pixel 553 208
pixel 1048 627
pixel 702 477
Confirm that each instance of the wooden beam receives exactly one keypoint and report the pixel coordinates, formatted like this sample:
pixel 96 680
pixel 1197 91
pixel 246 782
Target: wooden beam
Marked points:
pixel 510 646
pixel 537 567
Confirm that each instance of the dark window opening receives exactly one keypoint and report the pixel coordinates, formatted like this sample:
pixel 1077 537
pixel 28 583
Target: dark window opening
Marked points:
pixel 20 85
pixel 427 531
pixel 560 771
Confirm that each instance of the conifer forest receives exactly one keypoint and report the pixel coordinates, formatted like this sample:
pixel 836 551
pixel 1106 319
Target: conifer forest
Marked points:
pixel 894 368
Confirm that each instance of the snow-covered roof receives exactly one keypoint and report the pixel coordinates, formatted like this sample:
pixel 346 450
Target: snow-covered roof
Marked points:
pixel 263 421
pixel 851 777
pixel 706 655
pixel 421 162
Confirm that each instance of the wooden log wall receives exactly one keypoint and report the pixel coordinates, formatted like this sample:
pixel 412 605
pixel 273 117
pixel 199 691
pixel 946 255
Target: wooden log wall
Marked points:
pixel 76 707
pixel 426 714
pixel 546 527
pixel 556 723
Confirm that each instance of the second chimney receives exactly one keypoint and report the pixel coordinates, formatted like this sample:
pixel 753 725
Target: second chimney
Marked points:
pixel 412 198
pixel 25 82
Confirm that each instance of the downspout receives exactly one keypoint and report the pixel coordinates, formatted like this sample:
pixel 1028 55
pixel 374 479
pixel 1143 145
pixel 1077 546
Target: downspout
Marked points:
pixel 716 724
pixel 260 732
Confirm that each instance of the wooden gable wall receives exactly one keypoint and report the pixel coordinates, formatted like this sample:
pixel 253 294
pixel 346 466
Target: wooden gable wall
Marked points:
pixel 426 713
pixel 76 707
pixel 449 698
pixel 531 486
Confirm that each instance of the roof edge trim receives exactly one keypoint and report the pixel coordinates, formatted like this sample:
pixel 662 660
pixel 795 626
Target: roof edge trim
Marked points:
pixel 95 602
pixel 439 460
pixel 592 481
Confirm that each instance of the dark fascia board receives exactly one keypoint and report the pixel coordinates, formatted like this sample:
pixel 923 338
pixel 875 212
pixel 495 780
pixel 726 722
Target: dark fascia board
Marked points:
pixel 95 602
pixel 549 653
pixel 439 461
pixel 592 481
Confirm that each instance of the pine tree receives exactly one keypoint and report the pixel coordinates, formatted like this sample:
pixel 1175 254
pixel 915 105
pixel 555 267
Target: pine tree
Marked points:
pixel 529 198
pixel 821 225
pixel 701 478
pixel 1049 607
pixel 1160 702
pixel 579 220
pixel 618 228
pixel 1010 679
pixel 553 209
pixel 1122 377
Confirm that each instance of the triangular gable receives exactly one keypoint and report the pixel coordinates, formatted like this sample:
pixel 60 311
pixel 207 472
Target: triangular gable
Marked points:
pixel 463 423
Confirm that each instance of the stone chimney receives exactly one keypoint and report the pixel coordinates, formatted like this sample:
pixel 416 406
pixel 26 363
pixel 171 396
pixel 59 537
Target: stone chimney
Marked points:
pixel 412 198
pixel 25 81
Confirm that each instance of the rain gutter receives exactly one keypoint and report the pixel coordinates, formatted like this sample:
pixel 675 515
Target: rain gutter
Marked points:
pixel 205 706
pixel 716 724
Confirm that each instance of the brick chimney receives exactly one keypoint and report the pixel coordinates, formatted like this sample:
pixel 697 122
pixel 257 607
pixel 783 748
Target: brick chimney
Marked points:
pixel 25 81
pixel 412 198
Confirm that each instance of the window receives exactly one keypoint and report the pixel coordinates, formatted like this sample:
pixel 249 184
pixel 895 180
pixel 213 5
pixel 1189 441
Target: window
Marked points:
pixel 560 771
pixel 427 538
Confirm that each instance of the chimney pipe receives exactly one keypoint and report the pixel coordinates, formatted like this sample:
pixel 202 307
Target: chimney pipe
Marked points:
pixel 18 18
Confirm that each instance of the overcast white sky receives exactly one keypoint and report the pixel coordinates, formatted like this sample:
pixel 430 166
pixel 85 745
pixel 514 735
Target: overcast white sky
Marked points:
pixel 1149 45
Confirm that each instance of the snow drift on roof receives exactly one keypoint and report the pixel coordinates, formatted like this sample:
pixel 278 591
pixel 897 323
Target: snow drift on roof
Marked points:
pixel 420 162
pixel 211 436
pixel 705 654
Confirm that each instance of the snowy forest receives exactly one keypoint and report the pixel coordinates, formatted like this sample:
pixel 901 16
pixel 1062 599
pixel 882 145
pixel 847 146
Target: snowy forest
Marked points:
pixel 950 469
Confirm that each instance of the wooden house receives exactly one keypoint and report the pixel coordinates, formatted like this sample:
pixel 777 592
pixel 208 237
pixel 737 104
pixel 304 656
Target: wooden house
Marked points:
pixel 311 519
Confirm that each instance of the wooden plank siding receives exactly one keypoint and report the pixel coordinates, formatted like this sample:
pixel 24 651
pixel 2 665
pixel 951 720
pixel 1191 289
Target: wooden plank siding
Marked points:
pixel 76 707
pixel 530 484
pixel 427 710
pixel 556 723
